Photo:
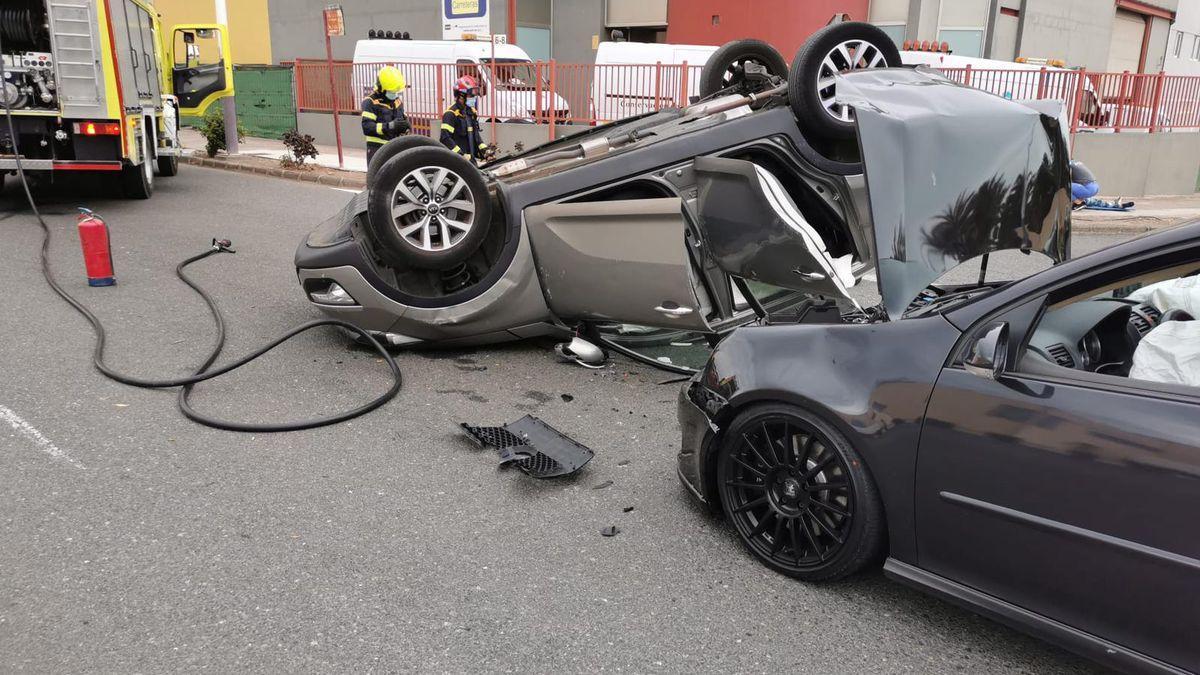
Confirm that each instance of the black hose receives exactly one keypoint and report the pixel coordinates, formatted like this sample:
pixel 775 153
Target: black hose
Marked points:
pixel 202 374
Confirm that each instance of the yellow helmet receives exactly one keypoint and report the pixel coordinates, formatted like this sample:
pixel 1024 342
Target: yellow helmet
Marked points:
pixel 391 79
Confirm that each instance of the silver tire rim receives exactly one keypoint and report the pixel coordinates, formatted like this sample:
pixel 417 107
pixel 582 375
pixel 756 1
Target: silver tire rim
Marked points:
pixel 847 56
pixel 433 208
pixel 147 164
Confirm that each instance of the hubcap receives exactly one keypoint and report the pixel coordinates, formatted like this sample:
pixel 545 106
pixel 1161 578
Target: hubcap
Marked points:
pixel 847 56
pixel 789 493
pixel 433 209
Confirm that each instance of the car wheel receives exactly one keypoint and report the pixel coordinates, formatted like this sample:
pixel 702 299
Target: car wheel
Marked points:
pixel 138 179
pixel 429 209
pixel 798 494
pixel 838 48
pixel 395 147
pixel 741 66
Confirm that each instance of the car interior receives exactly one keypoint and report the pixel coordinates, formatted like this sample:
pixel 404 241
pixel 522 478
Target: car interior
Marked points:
pixel 1130 329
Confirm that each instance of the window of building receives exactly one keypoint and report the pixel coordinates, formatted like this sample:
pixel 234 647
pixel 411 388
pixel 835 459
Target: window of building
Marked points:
pixel 1178 43
pixel 961 24
pixel 1196 47
pixel 894 31
pixel 963 41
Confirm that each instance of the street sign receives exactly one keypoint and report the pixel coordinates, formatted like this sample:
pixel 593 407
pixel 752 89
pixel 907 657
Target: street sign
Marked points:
pixel 335 24
pixel 464 16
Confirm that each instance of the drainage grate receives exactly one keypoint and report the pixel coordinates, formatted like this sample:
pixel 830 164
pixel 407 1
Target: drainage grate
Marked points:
pixel 532 446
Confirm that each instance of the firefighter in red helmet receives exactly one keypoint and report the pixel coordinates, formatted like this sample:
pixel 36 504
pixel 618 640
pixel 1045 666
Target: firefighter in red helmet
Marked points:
pixel 461 131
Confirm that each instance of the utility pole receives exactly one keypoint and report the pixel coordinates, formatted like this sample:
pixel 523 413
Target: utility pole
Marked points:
pixel 512 22
pixel 228 104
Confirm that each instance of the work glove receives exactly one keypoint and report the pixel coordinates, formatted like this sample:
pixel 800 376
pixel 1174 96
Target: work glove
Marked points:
pixel 488 152
pixel 398 127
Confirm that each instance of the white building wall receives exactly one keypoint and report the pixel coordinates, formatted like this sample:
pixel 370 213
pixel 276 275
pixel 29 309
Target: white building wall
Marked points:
pixel 1185 33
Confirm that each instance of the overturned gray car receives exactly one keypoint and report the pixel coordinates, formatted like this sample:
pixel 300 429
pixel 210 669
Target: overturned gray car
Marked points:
pixel 766 200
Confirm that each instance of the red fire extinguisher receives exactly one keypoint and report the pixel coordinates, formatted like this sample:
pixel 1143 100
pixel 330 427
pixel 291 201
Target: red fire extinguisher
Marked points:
pixel 97 251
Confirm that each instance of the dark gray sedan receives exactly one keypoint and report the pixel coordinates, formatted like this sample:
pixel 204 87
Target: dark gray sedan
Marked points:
pixel 1030 449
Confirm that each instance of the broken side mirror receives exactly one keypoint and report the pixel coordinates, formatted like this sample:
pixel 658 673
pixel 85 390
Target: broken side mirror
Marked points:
pixel 988 354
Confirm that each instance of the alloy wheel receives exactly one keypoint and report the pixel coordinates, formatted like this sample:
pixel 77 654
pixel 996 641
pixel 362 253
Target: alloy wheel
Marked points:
pixel 846 56
pixel 433 208
pixel 788 492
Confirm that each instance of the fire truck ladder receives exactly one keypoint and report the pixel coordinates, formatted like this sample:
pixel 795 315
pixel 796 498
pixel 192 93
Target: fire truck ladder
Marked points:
pixel 75 56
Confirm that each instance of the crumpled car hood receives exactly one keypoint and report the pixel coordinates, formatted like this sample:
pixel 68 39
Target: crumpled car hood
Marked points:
pixel 953 173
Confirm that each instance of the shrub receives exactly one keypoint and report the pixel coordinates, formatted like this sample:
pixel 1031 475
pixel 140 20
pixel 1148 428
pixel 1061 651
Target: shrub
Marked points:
pixel 301 146
pixel 212 126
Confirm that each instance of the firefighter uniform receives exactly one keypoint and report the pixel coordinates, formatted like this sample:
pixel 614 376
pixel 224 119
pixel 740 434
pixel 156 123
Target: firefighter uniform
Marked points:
pixel 378 115
pixel 461 132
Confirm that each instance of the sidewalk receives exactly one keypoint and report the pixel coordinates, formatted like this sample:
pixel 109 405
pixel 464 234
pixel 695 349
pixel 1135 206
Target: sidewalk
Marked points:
pixel 355 158
pixel 1149 213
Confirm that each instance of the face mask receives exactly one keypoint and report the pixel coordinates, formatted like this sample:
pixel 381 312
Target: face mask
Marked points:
pixel 473 101
pixel 392 95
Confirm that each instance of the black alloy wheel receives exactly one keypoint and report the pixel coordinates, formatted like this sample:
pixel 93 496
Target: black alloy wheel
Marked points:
pixel 798 494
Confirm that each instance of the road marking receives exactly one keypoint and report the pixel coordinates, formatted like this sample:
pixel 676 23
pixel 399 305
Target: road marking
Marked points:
pixel 353 192
pixel 34 436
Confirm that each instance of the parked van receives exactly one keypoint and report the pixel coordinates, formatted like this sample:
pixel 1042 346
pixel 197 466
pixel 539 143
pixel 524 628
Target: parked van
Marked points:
pixel 630 79
pixel 430 68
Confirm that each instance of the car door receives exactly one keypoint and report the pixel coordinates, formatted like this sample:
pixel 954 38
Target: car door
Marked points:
pixel 202 68
pixel 1068 494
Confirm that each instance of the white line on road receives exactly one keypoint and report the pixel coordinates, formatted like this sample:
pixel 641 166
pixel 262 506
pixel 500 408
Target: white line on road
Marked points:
pixel 34 436
pixel 353 192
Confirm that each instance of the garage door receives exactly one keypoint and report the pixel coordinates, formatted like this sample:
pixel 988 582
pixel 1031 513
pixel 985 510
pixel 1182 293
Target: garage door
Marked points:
pixel 1125 49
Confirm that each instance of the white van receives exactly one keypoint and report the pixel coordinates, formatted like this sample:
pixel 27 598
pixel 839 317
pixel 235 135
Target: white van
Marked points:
pixel 430 68
pixel 629 80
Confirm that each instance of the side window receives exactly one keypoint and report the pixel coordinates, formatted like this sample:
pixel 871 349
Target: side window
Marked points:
pixel 1139 330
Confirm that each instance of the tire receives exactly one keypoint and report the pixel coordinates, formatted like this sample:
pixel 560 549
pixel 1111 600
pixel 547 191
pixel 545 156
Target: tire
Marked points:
pixel 725 69
pixel 412 237
pixel 137 180
pixel 813 104
pixel 168 166
pixel 393 148
pixel 773 498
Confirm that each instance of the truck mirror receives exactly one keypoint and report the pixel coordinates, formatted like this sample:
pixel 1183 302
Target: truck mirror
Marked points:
pixel 189 38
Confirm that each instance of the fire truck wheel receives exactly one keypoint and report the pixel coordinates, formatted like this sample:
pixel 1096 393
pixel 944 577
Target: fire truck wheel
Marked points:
pixel 428 209
pixel 168 165
pixel 138 179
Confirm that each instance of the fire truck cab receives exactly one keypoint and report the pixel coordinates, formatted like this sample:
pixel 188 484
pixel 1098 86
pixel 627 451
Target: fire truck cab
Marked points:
pixel 98 86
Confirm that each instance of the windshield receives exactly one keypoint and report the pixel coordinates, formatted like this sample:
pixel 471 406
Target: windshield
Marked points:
pixel 513 74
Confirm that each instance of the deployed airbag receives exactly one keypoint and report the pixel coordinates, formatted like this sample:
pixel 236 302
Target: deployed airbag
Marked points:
pixel 1182 293
pixel 1169 354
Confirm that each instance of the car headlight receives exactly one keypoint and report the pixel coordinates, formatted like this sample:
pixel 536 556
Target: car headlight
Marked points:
pixel 333 295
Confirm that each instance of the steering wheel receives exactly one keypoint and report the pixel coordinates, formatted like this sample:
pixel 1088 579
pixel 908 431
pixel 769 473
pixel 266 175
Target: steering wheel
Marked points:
pixel 1176 315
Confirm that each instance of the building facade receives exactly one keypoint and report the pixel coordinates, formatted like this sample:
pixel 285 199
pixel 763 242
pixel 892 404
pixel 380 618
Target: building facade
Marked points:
pixel 1183 43
pixel 249 27
pixel 1100 35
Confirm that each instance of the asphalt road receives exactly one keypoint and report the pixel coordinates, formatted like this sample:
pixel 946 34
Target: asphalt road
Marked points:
pixel 134 540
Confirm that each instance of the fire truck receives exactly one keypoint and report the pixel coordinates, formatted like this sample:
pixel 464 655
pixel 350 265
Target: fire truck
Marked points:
pixel 97 86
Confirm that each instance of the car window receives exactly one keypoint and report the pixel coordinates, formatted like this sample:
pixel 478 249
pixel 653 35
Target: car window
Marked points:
pixel 1140 331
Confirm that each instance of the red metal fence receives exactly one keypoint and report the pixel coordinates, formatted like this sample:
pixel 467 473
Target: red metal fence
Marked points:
pixel 553 94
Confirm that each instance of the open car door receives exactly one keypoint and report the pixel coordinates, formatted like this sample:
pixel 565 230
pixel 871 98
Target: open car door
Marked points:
pixel 624 261
pixel 201 66
pixel 752 229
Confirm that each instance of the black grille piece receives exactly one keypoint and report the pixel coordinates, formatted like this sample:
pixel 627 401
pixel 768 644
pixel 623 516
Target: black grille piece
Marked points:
pixel 532 446
pixel 1061 355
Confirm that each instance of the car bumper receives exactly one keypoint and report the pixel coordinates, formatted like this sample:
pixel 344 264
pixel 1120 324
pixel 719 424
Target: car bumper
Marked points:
pixel 697 434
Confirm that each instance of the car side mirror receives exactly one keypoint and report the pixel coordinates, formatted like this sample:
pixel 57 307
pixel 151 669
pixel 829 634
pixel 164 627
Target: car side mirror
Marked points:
pixel 988 354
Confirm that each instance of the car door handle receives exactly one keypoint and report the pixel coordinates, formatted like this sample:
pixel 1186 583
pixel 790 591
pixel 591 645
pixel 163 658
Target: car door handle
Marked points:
pixel 674 312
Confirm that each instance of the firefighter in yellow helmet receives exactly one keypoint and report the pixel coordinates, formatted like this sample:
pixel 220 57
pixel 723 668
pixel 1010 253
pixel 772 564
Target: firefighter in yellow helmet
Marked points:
pixel 383 115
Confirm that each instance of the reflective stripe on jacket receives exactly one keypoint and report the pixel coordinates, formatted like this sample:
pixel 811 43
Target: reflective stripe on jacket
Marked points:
pixel 461 131
pixel 377 111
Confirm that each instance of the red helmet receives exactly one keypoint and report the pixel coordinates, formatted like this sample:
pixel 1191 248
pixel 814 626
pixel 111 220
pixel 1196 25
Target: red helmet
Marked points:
pixel 465 85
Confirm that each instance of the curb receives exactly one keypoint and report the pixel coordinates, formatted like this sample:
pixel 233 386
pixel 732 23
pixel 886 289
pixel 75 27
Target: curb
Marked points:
pixel 342 179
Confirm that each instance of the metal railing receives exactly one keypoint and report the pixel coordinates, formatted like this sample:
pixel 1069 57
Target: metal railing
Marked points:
pixel 555 94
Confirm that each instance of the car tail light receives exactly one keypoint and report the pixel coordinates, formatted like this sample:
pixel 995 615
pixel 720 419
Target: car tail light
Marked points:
pixel 97 129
